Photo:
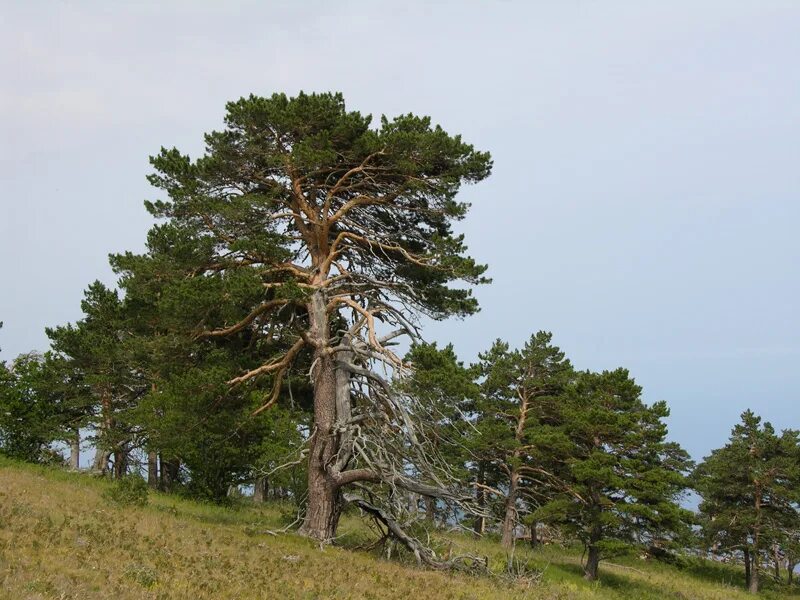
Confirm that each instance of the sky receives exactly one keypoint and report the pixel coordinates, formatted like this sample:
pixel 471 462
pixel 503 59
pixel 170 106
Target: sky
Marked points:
pixel 644 200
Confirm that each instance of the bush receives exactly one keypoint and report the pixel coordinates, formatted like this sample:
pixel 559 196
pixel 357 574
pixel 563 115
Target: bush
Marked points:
pixel 131 490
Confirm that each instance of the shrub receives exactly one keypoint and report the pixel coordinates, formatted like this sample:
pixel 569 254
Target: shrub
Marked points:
pixel 131 490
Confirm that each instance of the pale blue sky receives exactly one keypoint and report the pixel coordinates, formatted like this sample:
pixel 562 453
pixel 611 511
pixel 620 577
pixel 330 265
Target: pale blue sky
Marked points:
pixel 644 203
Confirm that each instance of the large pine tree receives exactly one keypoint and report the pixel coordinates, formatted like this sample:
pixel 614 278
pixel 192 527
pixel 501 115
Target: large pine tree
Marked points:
pixel 334 234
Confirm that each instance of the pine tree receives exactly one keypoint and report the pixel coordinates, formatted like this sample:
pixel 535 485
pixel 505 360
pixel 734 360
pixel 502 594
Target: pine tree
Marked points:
pixel 325 229
pixel 516 408
pixel 750 490
pixel 621 479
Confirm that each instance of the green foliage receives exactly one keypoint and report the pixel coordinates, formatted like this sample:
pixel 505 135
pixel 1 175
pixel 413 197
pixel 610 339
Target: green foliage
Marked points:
pixel 131 490
pixel 621 480
pixel 751 489
pixel 32 414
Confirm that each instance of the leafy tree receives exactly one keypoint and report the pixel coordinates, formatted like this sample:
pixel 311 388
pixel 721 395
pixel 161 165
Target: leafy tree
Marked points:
pixel 621 478
pixel 750 489
pixel 94 355
pixel 326 229
pixel 518 406
pixel 30 417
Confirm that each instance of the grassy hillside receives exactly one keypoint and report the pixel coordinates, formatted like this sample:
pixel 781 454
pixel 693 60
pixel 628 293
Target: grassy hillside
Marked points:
pixel 60 538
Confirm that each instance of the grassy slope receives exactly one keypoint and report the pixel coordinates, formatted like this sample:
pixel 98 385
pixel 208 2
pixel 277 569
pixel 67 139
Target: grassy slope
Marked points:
pixel 59 538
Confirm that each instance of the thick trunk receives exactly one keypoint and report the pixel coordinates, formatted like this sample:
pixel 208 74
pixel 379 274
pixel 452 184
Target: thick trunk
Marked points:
pixel 592 564
pixel 593 558
pixel 152 470
pixel 776 556
pixel 100 462
pixel 510 517
pixel 75 451
pixel 324 502
pixel 260 489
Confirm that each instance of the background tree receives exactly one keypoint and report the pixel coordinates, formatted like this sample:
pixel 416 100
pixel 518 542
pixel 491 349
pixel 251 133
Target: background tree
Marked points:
pixel 336 228
pixel 520 392
pixel 621 479
pixel 95 352
pixel 749 491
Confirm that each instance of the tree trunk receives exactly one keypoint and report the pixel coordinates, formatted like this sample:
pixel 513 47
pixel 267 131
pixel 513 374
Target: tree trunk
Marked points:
pixel 776 556
pixel 755 558
pixel 479 526
pixel 593 559
pixel 592 564
pixel 324 502
pixel 430 509
pixel 747 567
pixel 75 450
pixel 152 470
pixel 534 536
pixel 100 462
pixel 120 463
pixel 790 567
pixel 170 472
pixel 510 518
pixel 754 575
pixel 260 489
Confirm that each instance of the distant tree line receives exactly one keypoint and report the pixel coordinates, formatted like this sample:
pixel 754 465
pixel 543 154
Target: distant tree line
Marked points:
pixel 254 344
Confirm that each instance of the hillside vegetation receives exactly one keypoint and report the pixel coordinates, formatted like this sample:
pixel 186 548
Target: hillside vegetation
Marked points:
pixel 60 537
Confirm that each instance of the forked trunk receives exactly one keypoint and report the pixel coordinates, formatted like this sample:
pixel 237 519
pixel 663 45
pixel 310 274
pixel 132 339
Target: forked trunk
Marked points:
pixel 510 518
pixel 75 451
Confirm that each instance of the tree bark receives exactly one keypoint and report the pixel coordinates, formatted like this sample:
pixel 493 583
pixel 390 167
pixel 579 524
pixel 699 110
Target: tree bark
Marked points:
pixel 593 558
pixel 756 567
pixel 776 556
pixel 592 564
pixel 747 567
pixel 260 489
pixel 100 462
pixel 534 536
pixel 152 470
pixel 120 463
pixel 75 450
pixel 324 501
pixel 430 509
pixel 170 472
pixel 510 517
pixel 479 525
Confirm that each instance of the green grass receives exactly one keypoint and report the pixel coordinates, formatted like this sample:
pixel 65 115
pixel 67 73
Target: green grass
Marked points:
pixel 61 538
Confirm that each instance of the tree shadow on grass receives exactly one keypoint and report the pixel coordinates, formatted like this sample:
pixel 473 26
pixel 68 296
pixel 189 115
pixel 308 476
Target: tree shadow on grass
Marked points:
pixel 625 586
